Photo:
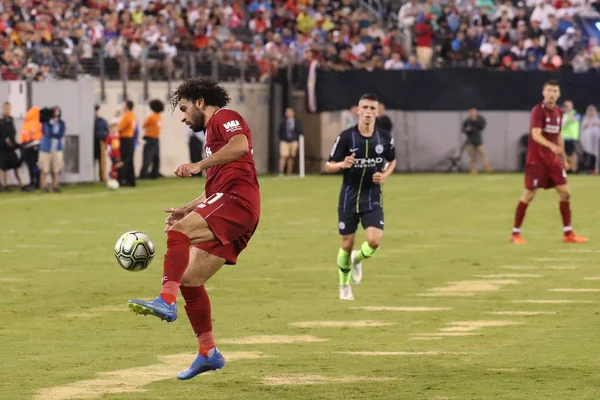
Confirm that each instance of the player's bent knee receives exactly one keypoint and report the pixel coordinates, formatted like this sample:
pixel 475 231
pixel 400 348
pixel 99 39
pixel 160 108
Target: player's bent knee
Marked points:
pixel 179 227
pixel 192 280
pixel 374 243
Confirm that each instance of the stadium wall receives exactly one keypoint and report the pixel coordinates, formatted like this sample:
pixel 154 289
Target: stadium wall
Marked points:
pixel 424 140
pixel 451 89
pixel 428 107
pixel 77 99
pixel 250 100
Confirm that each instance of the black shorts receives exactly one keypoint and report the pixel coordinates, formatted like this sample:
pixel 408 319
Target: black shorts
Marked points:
pixel 9 160
pixel 348 221
pixel 569 147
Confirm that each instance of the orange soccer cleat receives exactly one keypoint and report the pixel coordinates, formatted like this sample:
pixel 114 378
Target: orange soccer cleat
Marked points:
pixel 571 237
pixel 516 238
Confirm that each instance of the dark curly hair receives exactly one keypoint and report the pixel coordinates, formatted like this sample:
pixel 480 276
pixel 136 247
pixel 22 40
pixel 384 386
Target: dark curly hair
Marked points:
pixel 157 106
pixel 195 89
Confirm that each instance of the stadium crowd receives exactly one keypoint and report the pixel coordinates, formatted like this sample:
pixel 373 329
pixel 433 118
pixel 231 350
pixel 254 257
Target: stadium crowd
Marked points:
pixel 41 39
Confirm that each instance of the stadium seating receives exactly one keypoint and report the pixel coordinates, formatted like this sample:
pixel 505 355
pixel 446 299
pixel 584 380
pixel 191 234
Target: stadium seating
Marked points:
pixel 254 38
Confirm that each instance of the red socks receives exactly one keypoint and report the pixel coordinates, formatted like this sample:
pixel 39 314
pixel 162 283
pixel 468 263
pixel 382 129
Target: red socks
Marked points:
pixel 565 212
pixel 519 216
pixel 175 262
pixel 197 307
pixel 197 303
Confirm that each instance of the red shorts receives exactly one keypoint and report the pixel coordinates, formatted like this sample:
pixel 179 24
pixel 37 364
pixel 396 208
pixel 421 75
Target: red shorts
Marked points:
pixel 539 176
pixel 231 222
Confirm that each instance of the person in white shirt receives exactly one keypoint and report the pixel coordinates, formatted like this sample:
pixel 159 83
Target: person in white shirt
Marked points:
pixel 568 40
pixel 394 62
pixel 542 12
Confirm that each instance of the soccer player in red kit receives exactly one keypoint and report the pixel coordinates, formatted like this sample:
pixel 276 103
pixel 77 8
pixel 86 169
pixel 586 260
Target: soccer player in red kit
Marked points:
pixel 546 163
pixel 217 225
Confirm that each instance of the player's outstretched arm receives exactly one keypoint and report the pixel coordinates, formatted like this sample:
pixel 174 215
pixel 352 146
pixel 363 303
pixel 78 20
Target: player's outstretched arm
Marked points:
pixel 235 149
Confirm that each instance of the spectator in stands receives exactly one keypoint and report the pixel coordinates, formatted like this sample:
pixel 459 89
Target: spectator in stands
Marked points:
pixel 424 34
pixel 394 62
pixel 568 41
pixel 570 134
pixel 127 126
pixel 473 128
pixel 9 159
pixel 551 61
pixel 580 62
pixel 51 147
pixel 413 63
pixel 407 19
pixel 590 138
pixel 100 132
pixel 168 38
pixel 290 130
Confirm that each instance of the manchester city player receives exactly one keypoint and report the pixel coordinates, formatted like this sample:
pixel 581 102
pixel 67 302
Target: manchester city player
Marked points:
pixel 362 152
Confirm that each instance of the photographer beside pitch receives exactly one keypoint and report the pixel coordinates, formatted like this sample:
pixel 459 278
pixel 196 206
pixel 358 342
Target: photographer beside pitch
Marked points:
pixel 362 152
pixel 473 128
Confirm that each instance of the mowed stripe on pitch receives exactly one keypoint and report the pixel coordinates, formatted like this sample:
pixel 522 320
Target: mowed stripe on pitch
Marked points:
pixel 340 324
pixel 131 379
pixel 402 309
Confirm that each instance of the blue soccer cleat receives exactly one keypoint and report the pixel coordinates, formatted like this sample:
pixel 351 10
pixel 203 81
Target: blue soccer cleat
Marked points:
pixel 156 307
pixel 203 364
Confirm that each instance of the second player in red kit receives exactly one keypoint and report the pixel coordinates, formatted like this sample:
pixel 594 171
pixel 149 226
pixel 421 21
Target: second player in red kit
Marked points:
pixel 546 163
pixel 214 228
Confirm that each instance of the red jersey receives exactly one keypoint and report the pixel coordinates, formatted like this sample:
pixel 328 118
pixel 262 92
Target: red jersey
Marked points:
pixel 550 122
pixel 113 146
pixel 238 177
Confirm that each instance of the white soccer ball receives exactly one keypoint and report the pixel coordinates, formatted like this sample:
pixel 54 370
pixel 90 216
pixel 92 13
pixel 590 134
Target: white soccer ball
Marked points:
pixel 112 184
pixel 134 251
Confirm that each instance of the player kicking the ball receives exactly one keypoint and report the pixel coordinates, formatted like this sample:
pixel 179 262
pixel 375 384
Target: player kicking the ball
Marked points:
pixel 217 225
pixel 361 152
pixel 546 163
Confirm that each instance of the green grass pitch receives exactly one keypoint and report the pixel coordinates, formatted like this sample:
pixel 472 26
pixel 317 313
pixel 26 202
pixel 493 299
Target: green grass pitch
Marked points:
pixel 447 308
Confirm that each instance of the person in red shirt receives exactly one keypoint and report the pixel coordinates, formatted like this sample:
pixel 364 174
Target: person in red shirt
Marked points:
pixel 546 163
pixel 424 33
pixel 113 147
pixel 217 225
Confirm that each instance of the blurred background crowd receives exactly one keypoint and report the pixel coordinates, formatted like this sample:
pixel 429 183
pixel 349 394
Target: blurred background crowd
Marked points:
pixel 46 39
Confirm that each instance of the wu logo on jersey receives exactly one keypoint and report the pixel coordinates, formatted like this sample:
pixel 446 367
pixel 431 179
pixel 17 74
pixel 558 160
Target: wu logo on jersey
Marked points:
pixel 232 126
pixel 208 151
